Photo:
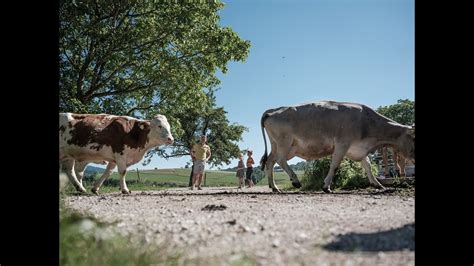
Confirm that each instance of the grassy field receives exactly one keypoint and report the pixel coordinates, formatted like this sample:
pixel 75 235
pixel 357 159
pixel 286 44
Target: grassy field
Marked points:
pixel 180 176
pixel 166 178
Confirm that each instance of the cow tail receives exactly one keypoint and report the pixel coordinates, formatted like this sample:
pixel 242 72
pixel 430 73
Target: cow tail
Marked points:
pixel 263 161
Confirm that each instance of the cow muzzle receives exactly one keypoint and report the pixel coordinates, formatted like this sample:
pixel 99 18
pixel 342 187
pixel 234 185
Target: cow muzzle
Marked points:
pixel 170 141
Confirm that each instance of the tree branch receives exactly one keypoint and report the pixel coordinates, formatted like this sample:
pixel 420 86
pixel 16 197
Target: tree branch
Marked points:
pixel 147 44
pixel 129 112
pixel 104 17
pixel 141 14
pixel 98 84
pixel 82 72
pixel 180 145
pixel 176 155
pixel 119 92
pixel 70 60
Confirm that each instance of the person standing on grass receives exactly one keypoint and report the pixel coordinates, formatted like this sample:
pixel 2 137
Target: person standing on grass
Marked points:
pixel 200 154
pixel 241 170
pixel 250 163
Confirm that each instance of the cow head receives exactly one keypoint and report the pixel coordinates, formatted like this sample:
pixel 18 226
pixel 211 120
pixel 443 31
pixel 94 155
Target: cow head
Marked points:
pixel 160 130
pixel 406 143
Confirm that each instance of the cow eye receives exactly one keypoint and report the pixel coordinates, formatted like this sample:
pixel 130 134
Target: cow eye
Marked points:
pixel 160 126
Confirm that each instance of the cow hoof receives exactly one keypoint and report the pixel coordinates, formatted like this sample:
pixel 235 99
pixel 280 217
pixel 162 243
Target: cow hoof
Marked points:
pixel 126 191
pixel 296 184
pixel 81 190
pixel 95 191
pixel 377 186
pixel 327 190
pixel 276 190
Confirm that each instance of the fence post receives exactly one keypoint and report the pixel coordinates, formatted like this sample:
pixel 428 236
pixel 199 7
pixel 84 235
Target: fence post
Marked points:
pixel 138 174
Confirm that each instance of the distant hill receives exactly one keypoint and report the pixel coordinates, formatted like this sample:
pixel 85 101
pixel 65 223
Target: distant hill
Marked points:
pixel 90 170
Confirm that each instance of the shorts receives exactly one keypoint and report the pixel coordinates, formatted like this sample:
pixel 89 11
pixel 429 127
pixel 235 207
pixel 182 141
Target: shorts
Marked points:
pixel 249 173
pixel 199 167
pixel 240 173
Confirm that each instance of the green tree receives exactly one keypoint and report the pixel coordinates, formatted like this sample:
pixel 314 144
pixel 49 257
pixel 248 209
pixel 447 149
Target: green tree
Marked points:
pixel 402 112
pixel 125 56
pixel 212 122
pixel 141 58
pixel 300 166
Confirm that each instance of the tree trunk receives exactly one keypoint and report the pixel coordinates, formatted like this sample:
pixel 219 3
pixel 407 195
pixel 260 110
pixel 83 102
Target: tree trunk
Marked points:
pixel 191 176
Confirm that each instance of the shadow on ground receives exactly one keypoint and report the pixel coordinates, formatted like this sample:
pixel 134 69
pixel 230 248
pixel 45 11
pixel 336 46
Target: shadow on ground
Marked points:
pixel 398 239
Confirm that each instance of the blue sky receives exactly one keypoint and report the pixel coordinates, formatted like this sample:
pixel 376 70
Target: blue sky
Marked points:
pixel 358 51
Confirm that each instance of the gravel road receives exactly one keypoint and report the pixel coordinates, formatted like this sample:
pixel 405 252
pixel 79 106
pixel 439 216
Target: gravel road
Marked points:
pixel 228 226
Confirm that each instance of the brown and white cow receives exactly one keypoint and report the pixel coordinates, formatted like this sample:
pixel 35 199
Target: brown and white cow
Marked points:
pixel 117 140
pixel 314 130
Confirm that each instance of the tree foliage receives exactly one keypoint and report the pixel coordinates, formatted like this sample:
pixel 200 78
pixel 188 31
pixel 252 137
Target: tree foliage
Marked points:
pixel 140 58
pixel 402 112
pixel 212 122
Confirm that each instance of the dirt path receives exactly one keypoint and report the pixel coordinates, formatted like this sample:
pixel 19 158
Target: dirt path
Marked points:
pixel 257 226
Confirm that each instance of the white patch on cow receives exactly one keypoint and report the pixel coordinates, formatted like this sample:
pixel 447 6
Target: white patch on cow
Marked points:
pixel 393 123
pixel 64 118
pixel 328 105
pixel 123 116
pixel 69 116
pixel 87 153
pixel 161 118
pixel 130 118
pixel 133 155
pixel 63 181
pixel 163 134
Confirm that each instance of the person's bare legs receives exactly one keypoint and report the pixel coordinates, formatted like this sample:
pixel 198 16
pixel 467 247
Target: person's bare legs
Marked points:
pixel 195 178
pixel 200 181
pixel 250 183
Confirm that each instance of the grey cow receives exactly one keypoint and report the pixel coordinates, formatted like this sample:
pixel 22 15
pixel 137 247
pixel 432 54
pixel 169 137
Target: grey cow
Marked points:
pixel 314 130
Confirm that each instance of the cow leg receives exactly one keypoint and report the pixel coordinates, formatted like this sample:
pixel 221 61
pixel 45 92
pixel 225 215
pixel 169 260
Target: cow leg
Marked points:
pixel 395 162
pixel 293 177
pixel 400 164
pixel 122 169
pixel 79 168
pixel 68 168
pixel 269 172
pixel 339 153
pixel 105 175
pixel 385 162
pixel 366 165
